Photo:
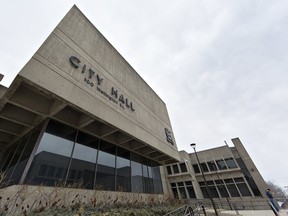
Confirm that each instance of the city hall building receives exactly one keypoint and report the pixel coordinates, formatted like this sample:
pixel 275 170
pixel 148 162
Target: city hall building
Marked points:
pixel 78 113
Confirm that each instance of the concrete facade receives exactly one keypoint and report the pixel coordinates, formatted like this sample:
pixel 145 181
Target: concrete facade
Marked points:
pixel 229 172
pixel 78 78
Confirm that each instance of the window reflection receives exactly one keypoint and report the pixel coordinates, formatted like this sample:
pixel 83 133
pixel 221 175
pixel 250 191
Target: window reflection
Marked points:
pixel 221 164
pixel 231 163
pixel 136 173
pixel 105 178
pixel 123 170
pixel 54 150
pixel 83 164
pixel 74 157
pixel 157 179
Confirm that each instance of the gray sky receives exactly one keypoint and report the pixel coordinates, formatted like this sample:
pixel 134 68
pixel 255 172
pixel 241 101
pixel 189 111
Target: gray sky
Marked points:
pixel 220 66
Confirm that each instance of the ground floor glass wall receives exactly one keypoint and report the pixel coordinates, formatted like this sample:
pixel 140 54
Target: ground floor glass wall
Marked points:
pixel 68 156
pixel 15 159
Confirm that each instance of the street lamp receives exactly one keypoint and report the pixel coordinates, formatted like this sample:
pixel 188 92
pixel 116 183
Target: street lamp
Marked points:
pixel 193 145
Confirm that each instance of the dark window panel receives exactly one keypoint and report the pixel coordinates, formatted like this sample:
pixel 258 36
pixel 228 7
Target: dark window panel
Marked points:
pixel 191 192
pixel 175 168
pixel 228 181
pixel 222 190
pixel 169 171
pixel 231 163
pixel 221 165
pixel 204 167
pixel 183 167
pixel 123 172
pixel 243 189
pixel 175 193
pixel 204 192
pixel 182 192
pixel 158 189
pixel 196 168
pixel 213 191
pixel 212 166
pixel 233 190
pixel 239 179
pixel 105 177
pixel 136 173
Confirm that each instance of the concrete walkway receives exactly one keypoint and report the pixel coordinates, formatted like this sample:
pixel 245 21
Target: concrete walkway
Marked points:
pixel 249 213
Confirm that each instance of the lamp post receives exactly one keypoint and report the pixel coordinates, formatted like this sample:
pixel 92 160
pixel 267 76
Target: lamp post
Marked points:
pixel 193 145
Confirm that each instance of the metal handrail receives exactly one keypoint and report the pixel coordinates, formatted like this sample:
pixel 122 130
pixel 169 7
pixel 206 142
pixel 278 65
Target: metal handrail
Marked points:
pixel 177 211
pixel 187 210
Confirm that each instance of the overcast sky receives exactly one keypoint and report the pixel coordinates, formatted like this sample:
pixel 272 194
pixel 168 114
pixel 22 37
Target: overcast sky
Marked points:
pixel 220 66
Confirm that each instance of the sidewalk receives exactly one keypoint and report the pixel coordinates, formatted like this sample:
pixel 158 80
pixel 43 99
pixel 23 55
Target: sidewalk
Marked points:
pixel 249 213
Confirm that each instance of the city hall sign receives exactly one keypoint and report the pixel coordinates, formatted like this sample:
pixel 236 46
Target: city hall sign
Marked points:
pixel 95 80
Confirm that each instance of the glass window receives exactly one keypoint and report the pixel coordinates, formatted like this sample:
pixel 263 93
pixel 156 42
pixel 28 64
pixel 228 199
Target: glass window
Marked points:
pixel 55 150
pixel 221 165
pixel 105 178
pixel 204 167
pixel 169 171
pixel 173 184
pixel 212 166
pixel 123 171
pixel 210 182
pixel 157 179
pixel 203 189
pixel 233 190
pixel 9 153
pixel 175 193
pixel 191 192
pixel 183 167
pixel 175 168
pixel 213 190
pixel 190 189
pixel 13 162
pixel 146 178
pixel 204 192
pixel 136 173
pixel 83 164
pixel 222 190
pixel 202 183
pixel 51 171
pixel 243 189
pixel 151 185
pixel 228 180
pixel 196 168
pixel 29 142
pixel 239 179
pixel 182 192
pixel 231 163
pixel 43 169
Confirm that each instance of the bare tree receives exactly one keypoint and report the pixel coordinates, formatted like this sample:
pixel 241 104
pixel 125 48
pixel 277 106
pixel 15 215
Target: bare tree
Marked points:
pixel 278 191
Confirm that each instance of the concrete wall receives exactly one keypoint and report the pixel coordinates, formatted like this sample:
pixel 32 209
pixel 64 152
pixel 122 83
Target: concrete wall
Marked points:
pixel 254 172
pixel 36 197
pixel 51 69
